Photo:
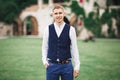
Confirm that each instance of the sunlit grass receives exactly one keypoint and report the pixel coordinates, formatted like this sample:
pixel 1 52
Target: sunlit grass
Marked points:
pixel 20 59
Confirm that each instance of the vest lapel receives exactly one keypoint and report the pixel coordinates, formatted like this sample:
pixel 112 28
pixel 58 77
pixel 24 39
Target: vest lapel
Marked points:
pixel 60 33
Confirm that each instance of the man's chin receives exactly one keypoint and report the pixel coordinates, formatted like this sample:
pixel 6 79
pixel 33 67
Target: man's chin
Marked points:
pixel 60 21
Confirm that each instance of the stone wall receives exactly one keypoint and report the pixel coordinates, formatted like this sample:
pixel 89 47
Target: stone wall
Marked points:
pixel 6 30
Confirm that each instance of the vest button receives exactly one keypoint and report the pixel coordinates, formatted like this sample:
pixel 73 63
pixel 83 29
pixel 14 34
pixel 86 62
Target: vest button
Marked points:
pixel 57 51
pixel 58 40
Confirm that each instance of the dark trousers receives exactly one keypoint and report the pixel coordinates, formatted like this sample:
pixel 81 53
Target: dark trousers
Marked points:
pixel 56 71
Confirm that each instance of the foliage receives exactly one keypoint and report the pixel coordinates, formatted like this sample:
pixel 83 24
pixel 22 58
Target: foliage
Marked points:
pixel 55 1
pixel 116 14
pixel 7 11
pixel 96 4
pixel 45 1
pixel 77 9
pixel 113 2
pixel 92 23
pixel 12 8
pixel 109 2
pixel 106 18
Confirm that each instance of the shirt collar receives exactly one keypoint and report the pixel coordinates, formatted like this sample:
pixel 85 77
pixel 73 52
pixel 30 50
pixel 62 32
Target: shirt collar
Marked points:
pixel 61 26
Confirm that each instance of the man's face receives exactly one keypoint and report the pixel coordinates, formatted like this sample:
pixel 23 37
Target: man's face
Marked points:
pixel 58 15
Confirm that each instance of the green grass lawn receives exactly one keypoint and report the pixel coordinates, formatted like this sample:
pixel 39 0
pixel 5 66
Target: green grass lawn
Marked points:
pixel 20 59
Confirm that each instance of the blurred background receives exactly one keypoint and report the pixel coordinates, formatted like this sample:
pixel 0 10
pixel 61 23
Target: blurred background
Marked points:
pixel 97 25
pixel 91 18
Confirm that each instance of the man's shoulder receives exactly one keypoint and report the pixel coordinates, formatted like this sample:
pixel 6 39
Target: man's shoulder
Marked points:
pixel 51 24
pixel 72 28
pixel 67 25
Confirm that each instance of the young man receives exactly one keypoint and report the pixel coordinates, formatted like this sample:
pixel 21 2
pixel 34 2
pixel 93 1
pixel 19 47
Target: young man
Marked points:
pixel 59 47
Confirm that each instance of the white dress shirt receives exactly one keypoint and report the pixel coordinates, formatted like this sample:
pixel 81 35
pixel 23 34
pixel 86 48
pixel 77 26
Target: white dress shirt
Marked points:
pixel 73 47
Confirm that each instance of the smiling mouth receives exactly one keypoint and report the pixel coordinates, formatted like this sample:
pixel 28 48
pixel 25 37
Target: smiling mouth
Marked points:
pixel 58 19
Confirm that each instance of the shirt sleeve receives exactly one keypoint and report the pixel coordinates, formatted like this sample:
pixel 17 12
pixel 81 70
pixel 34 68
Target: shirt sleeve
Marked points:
pixel 45 46
pixel 74 49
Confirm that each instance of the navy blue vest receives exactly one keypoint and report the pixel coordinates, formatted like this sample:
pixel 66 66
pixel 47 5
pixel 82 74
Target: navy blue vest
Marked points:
pixel 59 47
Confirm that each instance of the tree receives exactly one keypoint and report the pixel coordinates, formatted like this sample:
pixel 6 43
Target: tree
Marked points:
pixel 77 9
pixel 10 9
pixel 93 24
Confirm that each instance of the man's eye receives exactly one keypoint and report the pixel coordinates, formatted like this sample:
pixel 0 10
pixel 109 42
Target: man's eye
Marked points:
pixel 55 13
pixel 60 12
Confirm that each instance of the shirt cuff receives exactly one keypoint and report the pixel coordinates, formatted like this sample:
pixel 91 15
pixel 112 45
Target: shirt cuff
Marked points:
pixel 77 67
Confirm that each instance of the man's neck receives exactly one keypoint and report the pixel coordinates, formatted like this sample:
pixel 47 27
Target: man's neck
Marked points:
pixel 60 23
